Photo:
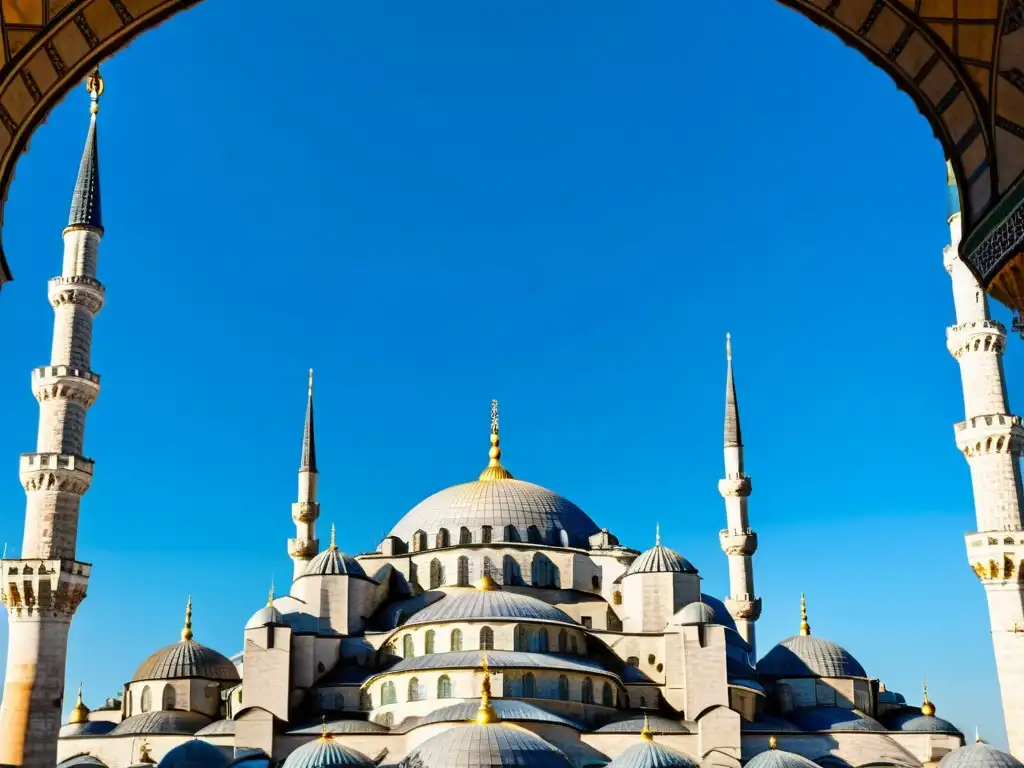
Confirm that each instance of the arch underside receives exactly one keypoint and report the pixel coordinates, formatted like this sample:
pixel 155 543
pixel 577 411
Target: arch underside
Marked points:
pixel 962 63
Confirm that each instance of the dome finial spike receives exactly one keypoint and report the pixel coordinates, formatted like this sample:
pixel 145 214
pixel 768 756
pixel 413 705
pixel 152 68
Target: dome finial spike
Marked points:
pixel 186 631
pixel 485 715
pixel 270 595
pixel 647 734
pixel 773 743
pixel 80 713
pixel 977 735
pixel 927 708
pixel 494 470
pixel 95 85
pixel 657 534
pixel 334 538
pixel 805 628
pixel 325 735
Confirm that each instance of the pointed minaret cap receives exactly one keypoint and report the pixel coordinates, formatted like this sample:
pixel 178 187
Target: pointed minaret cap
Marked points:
pixel 733 435
pixel 494 470
pixel 186 631
pixel 646 733
pixel 977 736
pixel 270 595
pixel 927 708
pixel 80 714
pixel 805 628
pixel 86 210
pixel 657 534
pixel 485 715
pixel 308 461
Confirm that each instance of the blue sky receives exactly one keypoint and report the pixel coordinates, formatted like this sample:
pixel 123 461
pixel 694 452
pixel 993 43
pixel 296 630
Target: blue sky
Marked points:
pixel 564 206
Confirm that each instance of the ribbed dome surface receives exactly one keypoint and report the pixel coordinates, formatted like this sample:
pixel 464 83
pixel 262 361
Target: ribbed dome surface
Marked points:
pixel 507 710
pixel 194 754
pixel 912 720
pixel 80 761
pixel 979 755
pixel 485 746
pixel 809 656
pixel 487 605
pixel 833 719
pixel 636 723
pixel 651 754
pixel 693 615
pixel 333 562
pixel 186 659
pixel 325 752
pixel 218 728
pixel 659 559
pixel 779 758
pixel 498 503
pixel 169 721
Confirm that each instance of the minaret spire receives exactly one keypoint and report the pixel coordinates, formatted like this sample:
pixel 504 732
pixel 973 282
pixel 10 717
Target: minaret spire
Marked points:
pixel 41 603
pixel 738 541
pixel 306 510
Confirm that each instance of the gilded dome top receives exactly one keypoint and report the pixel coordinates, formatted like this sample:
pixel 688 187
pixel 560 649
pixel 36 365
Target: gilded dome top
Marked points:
pixel 485 746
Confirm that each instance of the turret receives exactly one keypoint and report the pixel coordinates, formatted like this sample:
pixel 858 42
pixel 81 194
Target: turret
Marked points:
pixel 738 541
pixel 305 546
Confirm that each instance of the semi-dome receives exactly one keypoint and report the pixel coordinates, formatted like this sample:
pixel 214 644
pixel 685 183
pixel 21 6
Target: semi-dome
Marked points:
pixel 779 758
pixel 694 614
pixel 487 605
pixel 648 753
pixel 806 656
pixel 333 562
pixel 485 746
pixel 187 659
pixel 660 559
pixel 325 752
pixel 507 710
pixel 979 755
pixel 171 721
pixel 194 754
pixel 911 720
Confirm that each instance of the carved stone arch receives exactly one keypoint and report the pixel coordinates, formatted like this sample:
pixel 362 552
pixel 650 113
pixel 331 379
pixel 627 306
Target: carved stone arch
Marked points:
pixel 993 569
pixel 1008 568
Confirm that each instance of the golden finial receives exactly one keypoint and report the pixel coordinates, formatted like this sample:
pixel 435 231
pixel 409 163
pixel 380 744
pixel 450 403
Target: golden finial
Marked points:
pixel 334 538
pixel 95 85
pixel 80 714
pixel 487 584
pixel 805 628
pixel 186 632
pixel 657 534
pixel 325 735
pixel 486 714
pixel 144 756
pixel 728 347
pixel 927 708
pixel 646 733
pixel 270 596
pixel 773 743
pixel 494 470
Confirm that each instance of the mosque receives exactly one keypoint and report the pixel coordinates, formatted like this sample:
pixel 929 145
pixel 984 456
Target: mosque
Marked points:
pixel 497 624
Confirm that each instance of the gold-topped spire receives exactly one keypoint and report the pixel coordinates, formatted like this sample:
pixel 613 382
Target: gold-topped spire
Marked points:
pixel 325 735
pixel 186 631
pixel 805 628
pixel 646 733
pixel 927 708
pixel 270 596
pixel 773 743
pixel 80 714
pixel 485 715
pixel 95 85
pixel 657 534
pixel 486 583
pixel 334 538
pixel 494 470
pixel 728 347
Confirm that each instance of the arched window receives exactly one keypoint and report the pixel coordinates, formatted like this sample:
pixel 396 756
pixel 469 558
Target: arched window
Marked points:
pixel 563 688
pixel 520 640
pixel 407 650
pixel 587 695
pixel 509 571
pixel 563 641
pixel 529 686
pixel 415 694
pixel 486 639
pixel 485 534
pixel 456 640
pixel 543 571
pixel 607 697
pixel 129 702
pixel 419 541
pixel 444 687
pixel 429 641
pixel 364 701
pixel 147 699
pixel 387 693
pixel 465 537
pixel 511 534
pixel 436 573
pixel 542 641
pixel 442 539
pixel 533 535
pixel 168 697
pixel 464 570
pixel 616 598
pixel 490 570
pixel 643 702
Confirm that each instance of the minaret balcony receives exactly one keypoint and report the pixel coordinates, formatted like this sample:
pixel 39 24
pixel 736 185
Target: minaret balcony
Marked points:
pixel 996 556
pixel 76 289
pixel 66 382
pixel 745 607
pixel 976 336
pixel 305 511
pixel 55 472
pixel 43 587
pixel 997 433
pixel 303 549
pixel 734 486
pixel 738 542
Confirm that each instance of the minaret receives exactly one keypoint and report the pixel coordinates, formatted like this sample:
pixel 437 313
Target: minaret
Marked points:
pixel 44 587
pixel 990 438
pixel 305 546
pixel 738 541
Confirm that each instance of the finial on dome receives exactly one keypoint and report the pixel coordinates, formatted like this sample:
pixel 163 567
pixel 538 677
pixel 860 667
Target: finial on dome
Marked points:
pixel 657 534
pixel 325 735
pixel 95 85
pixel 144 756
pixel 646 733
pixel 485 715
pixel 773 743
pixel 186 631
pixel 334 538
pixel 977 736
pixel 270 596
pixel 494 470
pixel 927 708
pixel 805 628
pixel 80 714
pixel 486 583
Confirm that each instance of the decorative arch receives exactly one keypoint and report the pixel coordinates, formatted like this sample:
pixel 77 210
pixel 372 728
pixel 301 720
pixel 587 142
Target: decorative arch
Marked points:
pixel 147 699
pixel 387 693
pixel 169 698
pixel 436 574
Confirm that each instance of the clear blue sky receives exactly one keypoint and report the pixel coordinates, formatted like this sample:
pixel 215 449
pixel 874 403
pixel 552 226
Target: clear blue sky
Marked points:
pixel 564 206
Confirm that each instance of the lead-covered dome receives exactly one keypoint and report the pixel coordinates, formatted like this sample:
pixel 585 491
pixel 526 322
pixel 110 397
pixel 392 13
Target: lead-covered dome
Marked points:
pixel 186 659
pixel 648 753
pixel 660 559
pixel 488 605
pixel 194 754
pixel 979 755
pixel 807 656
pixel 325 752
pixel 485 746
pixel 780 758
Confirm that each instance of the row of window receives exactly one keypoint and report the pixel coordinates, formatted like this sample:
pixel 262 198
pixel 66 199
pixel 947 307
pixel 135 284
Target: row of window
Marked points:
pixel 543 572
pixel 510 533
pixel 168 700
pixel 536 640
pixel 527 686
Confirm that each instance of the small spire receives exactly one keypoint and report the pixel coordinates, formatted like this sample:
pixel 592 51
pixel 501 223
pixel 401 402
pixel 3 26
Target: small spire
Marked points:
pixel 325 735
pixel 494 469
pixel 657 534
pixel 85 203
pixel 773 743
pixel 485 715
pixel 927 708
pixel 80 714
pixel 186 632
pixel 977 736
pixel 733 435
pixel 334 538
pixel 805 628
pixel 270 596
pixel 646 733
pixel 308 461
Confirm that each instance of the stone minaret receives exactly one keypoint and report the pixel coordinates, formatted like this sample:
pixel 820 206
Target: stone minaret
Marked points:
pixel 990 438
pixel 42 589
pixel 305 546
pixel 738 541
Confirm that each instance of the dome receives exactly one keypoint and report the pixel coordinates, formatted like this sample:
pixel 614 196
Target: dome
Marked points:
pixel 779 758
pixel 90 728
pixel 333 562
pixel 499 503
pixel 507 710
pixel 637 723
pixel 194 754
pixel 693 614
pixel 325 752
pixel 218 728
pixel 338 727
pixel 172 721
pixel 268 614
pixel 659 559
pixel 485 746
pixel 833 719
pixel 979 755
pixel 81 761
pixel 488 604
pixel 648 753
pixel 914 720
pixel 808 656
pixel 186 659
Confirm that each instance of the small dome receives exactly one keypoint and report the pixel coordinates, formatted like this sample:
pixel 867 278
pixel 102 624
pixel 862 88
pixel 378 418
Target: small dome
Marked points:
pixel 650 754
pixel 694 614
pixel 779 758
pixel 659 559
pixel 637 723
pixel 186 658
pixel 809 656
pixel 194 754
pixel 218 728
pixel 485 746
pixel 90 728
pixel 979 755
pixel 333 562
pixel 507 710
pixel 172 721
pixel 325 752
pixel 487 604
pixel 81 761
pixel 833 719
pixel 268 614
pixel 913 720
pixel 338 727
